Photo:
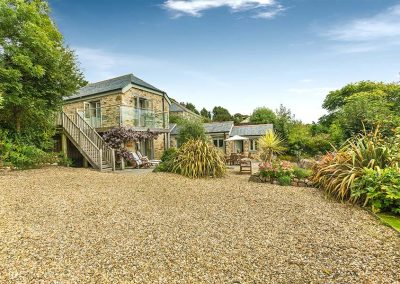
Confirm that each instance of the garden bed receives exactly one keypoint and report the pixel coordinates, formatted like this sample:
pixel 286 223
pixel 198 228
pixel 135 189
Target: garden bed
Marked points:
pixel 257 177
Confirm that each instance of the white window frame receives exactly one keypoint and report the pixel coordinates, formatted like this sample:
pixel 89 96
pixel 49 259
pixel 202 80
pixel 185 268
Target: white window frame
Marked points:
pixel 253 145
pixel 218 142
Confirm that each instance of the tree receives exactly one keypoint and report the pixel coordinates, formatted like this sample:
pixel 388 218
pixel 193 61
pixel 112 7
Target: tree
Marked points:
pixel 284 122
pixel 335 100
pixel 36 69
pixel 238 117
pixel 362 105
pixel 221 114
pixel 263 115
pixel 191 107
pixel 205 113
pixel 190 129
pixel 366 111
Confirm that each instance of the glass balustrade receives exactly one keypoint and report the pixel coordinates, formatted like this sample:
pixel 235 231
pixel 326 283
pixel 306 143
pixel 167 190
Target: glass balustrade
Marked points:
pixel 108 117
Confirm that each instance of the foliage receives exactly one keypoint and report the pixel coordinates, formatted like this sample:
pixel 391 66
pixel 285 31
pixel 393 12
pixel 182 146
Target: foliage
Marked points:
pixel 36 70
pixel 118 136
pixel 269 145
pixel 275 169
pixel 190 129
pixel 174 118
pixel 197 159
pixel 167 160
pixel 221 114
pixel 283 122
pixel 263 115
pixel 190 107
pixel 379 189
pixel 284 180
pixel 238 118
pixel 64 161
pixel 301 173
pixel 338 171
pixel 363 105
pixel 205 113
pixel 301 141
pixel 168 154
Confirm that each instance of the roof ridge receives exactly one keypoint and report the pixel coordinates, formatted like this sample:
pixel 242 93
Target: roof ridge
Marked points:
pixel 102 81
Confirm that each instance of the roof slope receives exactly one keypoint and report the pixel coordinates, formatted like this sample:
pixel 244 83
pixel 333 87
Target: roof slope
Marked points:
pixel 218 127
pixel 251 130
pixel 113 84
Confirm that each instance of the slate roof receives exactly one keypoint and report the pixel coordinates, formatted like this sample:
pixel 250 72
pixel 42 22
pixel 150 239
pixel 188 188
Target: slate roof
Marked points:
pixel 251 130
pixel 218 127
pixel 113 84
pixel 214 127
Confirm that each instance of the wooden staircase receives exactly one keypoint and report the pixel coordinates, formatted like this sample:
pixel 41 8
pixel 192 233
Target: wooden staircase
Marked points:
pixel 89 143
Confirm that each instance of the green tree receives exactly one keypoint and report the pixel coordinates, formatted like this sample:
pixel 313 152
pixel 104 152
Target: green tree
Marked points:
pixel 190 129
pixel 221 114
pixel 284 121
pixel 335 100
pixel 238 117
pixel 191 107
pixel 36 69
pixel 263 115
pixel 367 110
pixel 206 115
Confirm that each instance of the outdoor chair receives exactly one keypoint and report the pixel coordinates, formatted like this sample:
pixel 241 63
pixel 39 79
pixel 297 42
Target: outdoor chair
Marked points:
pixel 139 163
pixel 245 166
pixel 141 157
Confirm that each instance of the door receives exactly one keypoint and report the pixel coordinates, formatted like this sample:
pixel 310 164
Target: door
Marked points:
pixel 239 146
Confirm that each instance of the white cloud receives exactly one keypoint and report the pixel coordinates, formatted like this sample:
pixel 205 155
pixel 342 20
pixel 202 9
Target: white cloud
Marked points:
pixel 265 8
pixel 382 26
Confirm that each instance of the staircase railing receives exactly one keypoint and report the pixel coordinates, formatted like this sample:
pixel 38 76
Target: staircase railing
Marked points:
pixel 88 140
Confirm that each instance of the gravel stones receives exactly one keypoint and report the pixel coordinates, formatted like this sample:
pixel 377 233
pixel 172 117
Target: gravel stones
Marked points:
pixel 76 225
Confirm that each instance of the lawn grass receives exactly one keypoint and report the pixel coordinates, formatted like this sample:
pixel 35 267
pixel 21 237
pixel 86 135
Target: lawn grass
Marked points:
pixel 391 220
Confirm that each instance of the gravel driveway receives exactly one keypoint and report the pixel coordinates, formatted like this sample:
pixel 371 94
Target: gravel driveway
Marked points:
pixel 77 225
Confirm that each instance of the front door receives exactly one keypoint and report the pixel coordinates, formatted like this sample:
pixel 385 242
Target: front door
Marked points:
pixel 239 146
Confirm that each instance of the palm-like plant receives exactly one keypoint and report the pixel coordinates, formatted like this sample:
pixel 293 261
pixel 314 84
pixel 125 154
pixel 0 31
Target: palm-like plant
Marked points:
pixel 338 171
pixel 270 145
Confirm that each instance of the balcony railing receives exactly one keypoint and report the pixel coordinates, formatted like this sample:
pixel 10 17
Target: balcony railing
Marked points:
pixel 113 116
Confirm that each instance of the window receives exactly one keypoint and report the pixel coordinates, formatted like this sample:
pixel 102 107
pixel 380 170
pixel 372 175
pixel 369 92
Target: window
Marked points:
pixel 253 144
pixel 219 143
pixel 143 103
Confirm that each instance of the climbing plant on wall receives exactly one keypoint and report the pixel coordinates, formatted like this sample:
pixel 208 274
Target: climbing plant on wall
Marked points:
pixel 118 137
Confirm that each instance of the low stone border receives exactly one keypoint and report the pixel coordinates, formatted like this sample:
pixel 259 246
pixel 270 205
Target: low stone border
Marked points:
pixel 295 181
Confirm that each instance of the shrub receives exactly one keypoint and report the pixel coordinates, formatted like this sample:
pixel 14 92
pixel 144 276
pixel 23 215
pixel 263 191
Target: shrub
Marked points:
pixel 25 157
pixel 379 189
pixel 270 145
pixel 275 169
pixel 166 160
pixel 197 159
pixel 168 154
pixel 301 173
pixel 337 172
pixel 284 180
pixel 63 160
pixel 190 129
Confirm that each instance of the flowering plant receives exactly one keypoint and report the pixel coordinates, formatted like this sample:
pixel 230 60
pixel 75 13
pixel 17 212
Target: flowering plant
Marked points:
pixel 275 169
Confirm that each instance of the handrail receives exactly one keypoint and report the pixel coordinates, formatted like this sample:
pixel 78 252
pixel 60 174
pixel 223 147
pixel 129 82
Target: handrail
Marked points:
pixel 89 141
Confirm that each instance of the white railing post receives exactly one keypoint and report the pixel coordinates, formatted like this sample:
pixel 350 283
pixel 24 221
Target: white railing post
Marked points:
pixel 113 159
pixel 101 159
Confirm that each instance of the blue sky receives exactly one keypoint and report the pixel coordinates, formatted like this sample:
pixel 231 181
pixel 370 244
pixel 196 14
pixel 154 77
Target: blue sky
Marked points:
pixel 239 54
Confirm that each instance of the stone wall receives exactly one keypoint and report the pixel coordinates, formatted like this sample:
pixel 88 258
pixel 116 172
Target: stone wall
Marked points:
pixel 295 181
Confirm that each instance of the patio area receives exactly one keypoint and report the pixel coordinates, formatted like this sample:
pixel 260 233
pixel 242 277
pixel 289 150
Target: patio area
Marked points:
pixel 78 225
